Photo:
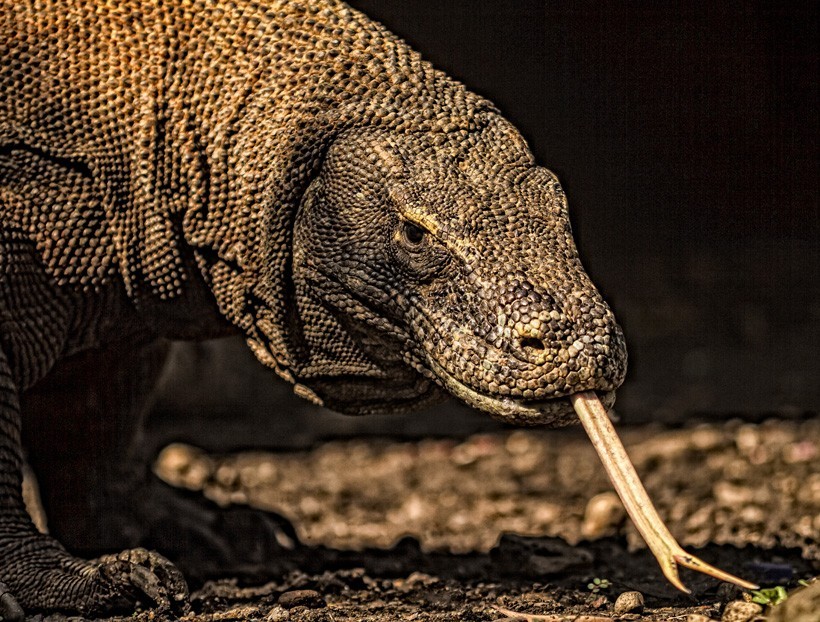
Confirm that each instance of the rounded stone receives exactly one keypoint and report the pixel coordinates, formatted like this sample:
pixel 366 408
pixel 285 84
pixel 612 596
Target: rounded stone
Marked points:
pixel 801 606
pixel 604 512
pixel 629 602
pixel 741 611
pixel 302 598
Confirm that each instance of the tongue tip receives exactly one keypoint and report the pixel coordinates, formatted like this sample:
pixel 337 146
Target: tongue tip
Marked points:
pixel 594 417
pixel 698 565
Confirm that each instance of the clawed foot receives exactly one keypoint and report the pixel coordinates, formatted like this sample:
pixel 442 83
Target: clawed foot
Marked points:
pixel 144 578
pixel 55 581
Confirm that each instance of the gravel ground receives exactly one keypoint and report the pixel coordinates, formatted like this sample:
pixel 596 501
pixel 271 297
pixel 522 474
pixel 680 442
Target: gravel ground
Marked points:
pixel 736 485
pixel 421 530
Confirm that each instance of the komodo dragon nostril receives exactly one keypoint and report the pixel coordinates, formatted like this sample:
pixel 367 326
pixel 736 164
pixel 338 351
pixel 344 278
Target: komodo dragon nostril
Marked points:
pixel 532 344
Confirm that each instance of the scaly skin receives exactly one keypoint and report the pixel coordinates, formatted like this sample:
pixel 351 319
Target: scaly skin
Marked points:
pixel 289 171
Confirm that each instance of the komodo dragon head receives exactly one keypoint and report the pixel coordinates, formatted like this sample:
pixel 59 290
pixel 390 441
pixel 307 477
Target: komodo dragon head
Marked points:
pixel 445 260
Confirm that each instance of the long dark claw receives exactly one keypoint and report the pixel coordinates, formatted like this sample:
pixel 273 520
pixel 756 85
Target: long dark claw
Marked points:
pixel 628 485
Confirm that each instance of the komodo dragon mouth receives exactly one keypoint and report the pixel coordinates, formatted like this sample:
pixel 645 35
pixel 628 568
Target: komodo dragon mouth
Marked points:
pixel 593 415
pixel 553 412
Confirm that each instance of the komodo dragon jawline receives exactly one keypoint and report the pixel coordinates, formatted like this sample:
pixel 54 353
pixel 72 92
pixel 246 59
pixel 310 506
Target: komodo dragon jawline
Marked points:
pixel 290 171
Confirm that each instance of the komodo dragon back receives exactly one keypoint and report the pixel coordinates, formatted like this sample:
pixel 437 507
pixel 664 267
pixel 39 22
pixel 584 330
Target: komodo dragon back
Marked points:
pixel 295 173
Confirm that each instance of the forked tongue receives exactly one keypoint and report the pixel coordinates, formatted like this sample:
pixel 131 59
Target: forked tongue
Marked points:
pixel 628 485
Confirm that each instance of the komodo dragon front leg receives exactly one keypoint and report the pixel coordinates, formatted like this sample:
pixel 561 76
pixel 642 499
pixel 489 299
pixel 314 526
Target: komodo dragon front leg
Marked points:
pixel 94 475
pixel 36 571
pixel 39 572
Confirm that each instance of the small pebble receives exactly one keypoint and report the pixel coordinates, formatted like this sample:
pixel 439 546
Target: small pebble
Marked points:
pixel 302 598
pixel 741 611
pixel 183 465
pixel 629 602
pixel 226 475
pixel 277 614
pixel 696 617
pixel 31 498
pixel 537 597
pixel 603 512
pixel 420 578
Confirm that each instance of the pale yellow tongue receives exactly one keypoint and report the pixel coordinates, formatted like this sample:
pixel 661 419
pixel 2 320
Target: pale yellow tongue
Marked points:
pixel 628 485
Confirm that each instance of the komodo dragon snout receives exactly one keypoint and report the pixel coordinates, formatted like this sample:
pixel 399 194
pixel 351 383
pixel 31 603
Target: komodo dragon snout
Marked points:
pixel 447 257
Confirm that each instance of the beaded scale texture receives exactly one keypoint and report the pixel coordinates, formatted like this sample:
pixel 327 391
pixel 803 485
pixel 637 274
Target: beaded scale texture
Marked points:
pixel 289 171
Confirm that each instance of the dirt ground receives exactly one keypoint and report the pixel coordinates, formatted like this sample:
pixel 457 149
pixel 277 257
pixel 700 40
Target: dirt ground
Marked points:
pixel 739 484
pixel 423 530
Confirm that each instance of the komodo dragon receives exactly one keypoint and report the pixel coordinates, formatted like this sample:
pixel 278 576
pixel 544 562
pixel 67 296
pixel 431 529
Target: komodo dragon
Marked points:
pixel 289 171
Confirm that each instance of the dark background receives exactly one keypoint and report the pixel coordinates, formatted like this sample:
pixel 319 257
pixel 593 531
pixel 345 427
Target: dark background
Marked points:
pixel 685 135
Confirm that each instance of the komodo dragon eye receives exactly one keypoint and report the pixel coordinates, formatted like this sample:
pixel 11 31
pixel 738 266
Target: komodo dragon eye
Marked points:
pixel 417 253
pixel 412 234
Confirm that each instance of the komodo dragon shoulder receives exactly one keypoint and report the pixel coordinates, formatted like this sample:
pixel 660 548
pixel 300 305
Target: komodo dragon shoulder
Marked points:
pixel 289 171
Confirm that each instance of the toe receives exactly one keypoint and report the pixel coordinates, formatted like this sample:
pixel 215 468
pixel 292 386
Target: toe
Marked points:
pixel 151 575
pixel 10 610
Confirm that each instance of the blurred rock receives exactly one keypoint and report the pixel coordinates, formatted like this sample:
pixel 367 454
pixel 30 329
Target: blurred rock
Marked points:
pixel 31 498
pixel 801 606
pixel 603 513
pixel 629 602
pixel 277 614
pixel 740 611
pixel 184 466
pixel 302 598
